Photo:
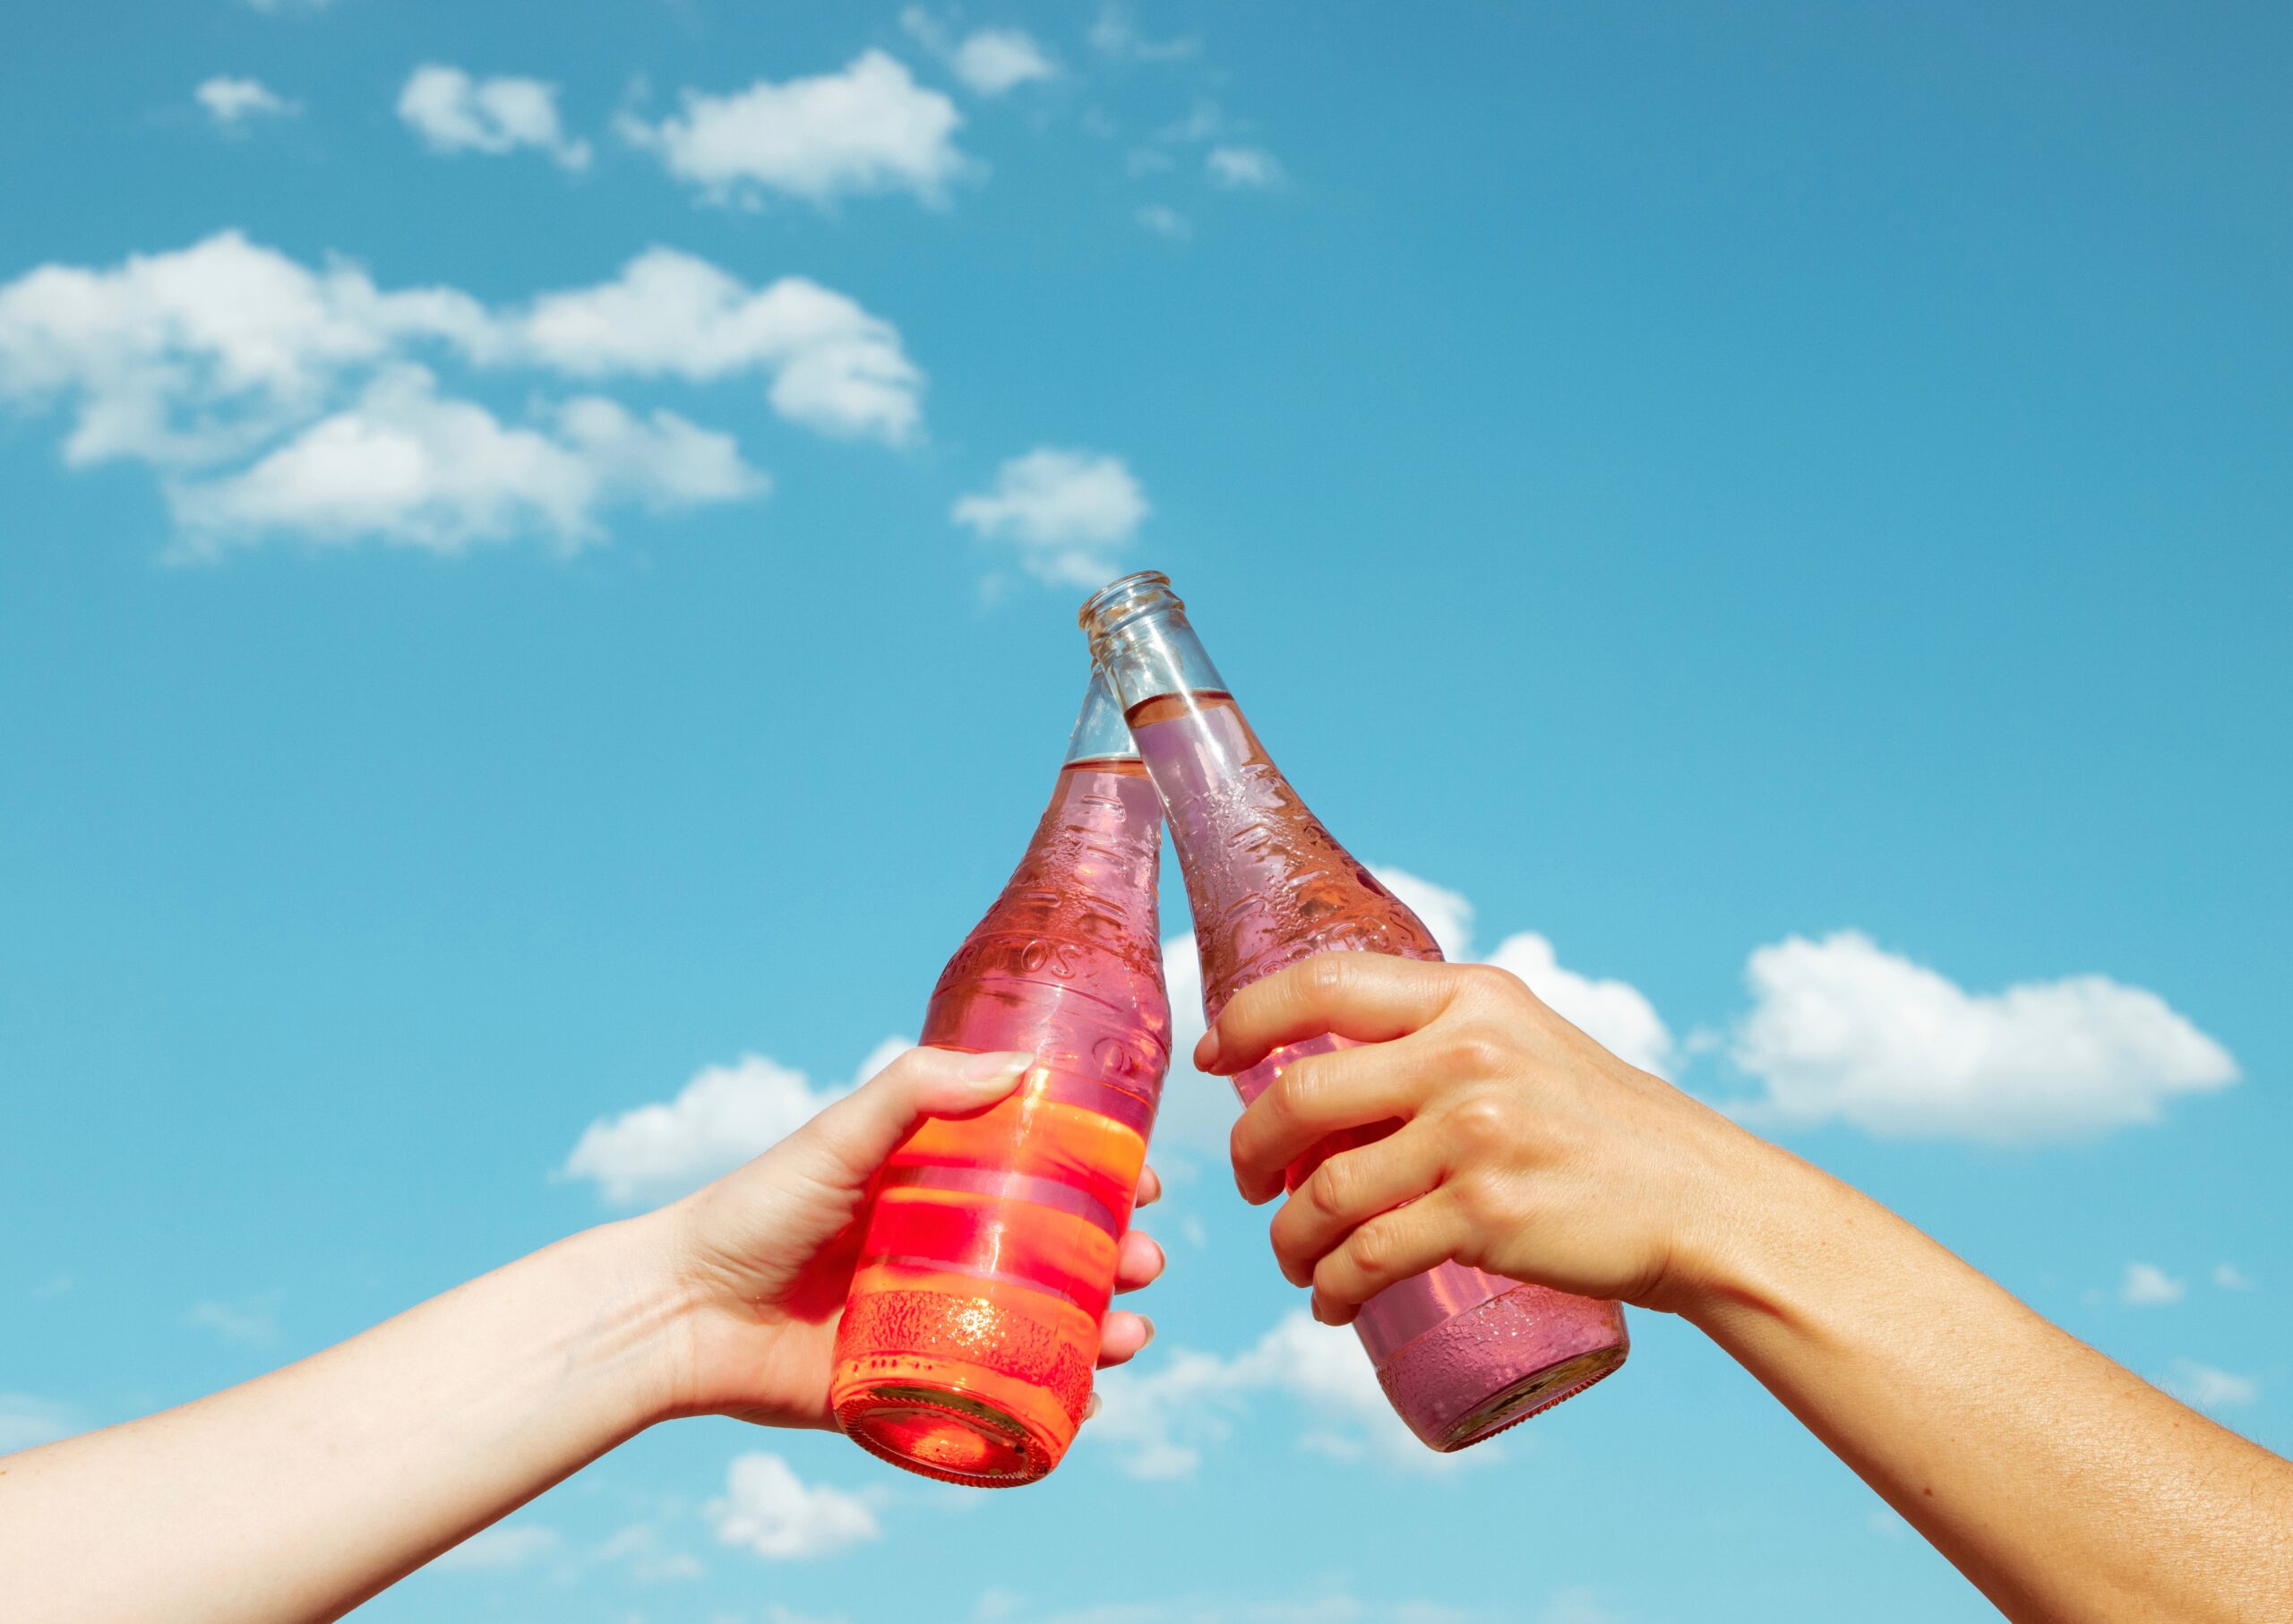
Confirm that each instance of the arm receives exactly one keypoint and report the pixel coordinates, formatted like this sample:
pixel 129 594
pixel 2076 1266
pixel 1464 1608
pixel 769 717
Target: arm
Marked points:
pixel 2062 1485
pixel 302 1493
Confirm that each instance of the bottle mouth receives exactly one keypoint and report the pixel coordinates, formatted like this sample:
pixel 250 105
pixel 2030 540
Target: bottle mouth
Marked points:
pixel 1120 602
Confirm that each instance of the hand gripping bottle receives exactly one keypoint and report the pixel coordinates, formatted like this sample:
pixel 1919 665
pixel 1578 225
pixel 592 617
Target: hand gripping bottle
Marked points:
pixel 968 1343
pixel 1461 1354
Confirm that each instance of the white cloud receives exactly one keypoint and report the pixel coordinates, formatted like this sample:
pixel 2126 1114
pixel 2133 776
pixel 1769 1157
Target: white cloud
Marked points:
pixel 1164 220
pixel 1113 35
pixel 1070 512
pixel 26 1421
pixel 870 128
pixel 250 1324
pixel 501 1546
pixel 453 112
pixel 717 1121
pixel 2229 1277
pixel 994 60
pixel 640 1550
pixel 834 367
pixel 769 1509
pixel 1162 1414
pixel 2207 1388
pixel 1843 1030
pixel 406 466
pixel 230 102
pixel 1243 168
pixel 989 61
pixel 2146 1285
pixel 210 355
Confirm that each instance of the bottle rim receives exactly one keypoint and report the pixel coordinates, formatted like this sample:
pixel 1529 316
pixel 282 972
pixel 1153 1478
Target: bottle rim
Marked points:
pixel 1123 600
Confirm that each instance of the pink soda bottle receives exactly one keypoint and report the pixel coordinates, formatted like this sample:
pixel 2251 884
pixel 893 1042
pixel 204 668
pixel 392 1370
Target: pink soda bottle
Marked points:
pixel 972 1329
pixel 1462 1354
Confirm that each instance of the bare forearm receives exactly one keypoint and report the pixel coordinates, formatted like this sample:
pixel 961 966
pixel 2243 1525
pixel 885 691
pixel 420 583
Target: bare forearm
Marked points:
pixel 2063 1486
pixel 296 1496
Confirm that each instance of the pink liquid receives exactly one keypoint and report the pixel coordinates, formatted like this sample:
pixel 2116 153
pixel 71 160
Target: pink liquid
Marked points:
pixel 968 1343
pixel 1461 1353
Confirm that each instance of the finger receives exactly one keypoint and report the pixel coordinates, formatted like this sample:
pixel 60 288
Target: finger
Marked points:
pixel 1137 1261
pixel 1314 1095
pixel 1349 1189
pixel 846 1143
pixel 1391 1247
pixel 1150 1188
pixel 1369 996
pixel 1122 1335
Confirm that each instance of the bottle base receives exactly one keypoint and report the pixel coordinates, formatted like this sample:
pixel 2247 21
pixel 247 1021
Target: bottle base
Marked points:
pixel 1529 1397
pixel 947 1433
pixel 1501 1363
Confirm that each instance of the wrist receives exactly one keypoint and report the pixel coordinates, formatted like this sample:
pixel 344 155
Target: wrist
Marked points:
pixel 1751 1219
pixel 640 1317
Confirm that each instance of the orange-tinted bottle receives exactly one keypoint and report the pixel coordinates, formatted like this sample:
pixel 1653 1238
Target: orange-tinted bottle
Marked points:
pixel 969 1338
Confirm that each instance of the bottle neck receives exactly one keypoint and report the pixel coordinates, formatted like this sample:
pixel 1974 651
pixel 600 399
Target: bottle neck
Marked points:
pixel 1142 642
pixel 1099 734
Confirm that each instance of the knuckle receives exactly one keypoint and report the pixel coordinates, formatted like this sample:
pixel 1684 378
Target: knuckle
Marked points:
pixel 1373 1250
pixel 1328 975
pixel 1299 1090
pixel 1332 1188
pixel 1480 1123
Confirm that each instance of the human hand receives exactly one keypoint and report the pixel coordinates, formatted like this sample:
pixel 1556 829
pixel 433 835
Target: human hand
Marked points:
pixel 1524 1148
pixel 763 1257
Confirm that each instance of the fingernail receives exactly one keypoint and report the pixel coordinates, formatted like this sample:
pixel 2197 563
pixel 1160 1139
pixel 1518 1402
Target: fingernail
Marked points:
pixel 1205 1050
pixel 999 1066
pixel 1149 1324
pixel 1090 1406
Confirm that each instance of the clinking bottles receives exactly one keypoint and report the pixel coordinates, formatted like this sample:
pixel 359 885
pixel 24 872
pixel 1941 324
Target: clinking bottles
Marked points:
pixel 1460 1353
pixel 969 1338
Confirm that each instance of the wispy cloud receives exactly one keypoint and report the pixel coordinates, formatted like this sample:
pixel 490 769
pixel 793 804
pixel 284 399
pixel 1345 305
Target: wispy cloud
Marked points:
pixel 1113 35
pixel 250 1324
pixel 232 103
pixel 988 61
pixel 2229 1277
pixel 454 111
pixel 1243 168
pixel 2208 1388
pixel 504 1546
pixel 1068 513
pixel 722 1117
pixel 26 1419
pixel 2146 1285
pixel 769 1509
pixel 868 128
pixel 1164 221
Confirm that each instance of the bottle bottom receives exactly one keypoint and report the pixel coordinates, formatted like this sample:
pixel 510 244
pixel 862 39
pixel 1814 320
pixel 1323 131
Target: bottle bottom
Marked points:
pixel 1501 1363
pixel 948 1429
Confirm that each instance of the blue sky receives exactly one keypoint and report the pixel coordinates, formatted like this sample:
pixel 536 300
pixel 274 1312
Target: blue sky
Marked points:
pixel 1781 521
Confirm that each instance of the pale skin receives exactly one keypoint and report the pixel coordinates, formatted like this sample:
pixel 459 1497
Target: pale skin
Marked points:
pixel 300 1494
pixel 2061 1484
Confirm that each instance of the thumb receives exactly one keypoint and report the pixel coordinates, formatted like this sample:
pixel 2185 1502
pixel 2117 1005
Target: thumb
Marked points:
pixel 854 1137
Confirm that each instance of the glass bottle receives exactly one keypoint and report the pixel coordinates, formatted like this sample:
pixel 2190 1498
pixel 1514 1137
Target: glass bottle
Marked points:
pixel 1461 1353
pixel 972 1329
